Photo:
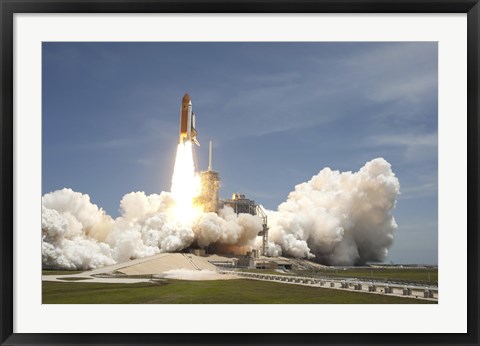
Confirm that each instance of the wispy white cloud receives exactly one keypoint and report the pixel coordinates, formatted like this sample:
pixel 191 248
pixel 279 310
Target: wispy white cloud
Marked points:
pixel 146 162
pixel 415 146
pixel 282 78
pixel 401 73
pixel 417 227
pixel 419 191
pixel 408 139
pixel 114 143
pixel 150 130
pixel 412 74
pixel 281 107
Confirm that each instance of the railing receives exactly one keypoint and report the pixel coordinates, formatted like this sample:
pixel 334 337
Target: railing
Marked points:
pixel 342 283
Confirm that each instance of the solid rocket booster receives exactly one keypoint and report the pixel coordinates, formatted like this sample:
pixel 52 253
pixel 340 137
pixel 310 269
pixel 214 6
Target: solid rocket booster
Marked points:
pixel 187 121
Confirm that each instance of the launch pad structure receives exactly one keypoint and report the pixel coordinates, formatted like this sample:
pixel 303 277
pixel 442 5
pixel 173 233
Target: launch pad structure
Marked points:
pixel 208 197
pixel 240 204
pixel 209 187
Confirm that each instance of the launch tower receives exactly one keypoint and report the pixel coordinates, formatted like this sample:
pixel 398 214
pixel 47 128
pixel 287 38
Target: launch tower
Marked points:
pixel 240 204
pixel 209 187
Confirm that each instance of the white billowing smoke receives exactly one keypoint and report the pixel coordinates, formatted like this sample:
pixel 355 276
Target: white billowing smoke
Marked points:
pixel 146 227
pixel 78 235
pixel 73 232
pixel 227 228
pixel 337 218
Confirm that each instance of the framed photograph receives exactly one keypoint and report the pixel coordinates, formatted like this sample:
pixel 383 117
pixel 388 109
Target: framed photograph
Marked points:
pixel 287 173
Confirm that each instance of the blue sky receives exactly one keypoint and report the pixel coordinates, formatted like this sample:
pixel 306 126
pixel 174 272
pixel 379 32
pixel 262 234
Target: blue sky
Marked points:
pixel 277 114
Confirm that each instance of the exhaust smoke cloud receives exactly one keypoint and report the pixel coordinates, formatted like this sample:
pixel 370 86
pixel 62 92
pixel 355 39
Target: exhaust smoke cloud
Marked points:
pixel 338 218
pixel 335 218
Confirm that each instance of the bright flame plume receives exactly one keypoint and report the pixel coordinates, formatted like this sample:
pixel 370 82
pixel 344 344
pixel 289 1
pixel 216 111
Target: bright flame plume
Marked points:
pixel 185 184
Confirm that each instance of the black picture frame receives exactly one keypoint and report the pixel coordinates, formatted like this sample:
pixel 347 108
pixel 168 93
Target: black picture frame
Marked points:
pixel 10 7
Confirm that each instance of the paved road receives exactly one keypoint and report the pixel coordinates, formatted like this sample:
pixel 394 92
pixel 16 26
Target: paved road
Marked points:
pixel 84 278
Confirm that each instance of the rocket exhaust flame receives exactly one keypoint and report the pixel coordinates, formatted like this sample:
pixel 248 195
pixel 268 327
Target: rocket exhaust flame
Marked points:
pixel 185 184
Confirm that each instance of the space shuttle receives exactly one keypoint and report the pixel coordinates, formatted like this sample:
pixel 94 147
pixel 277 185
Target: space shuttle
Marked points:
pixel 187 121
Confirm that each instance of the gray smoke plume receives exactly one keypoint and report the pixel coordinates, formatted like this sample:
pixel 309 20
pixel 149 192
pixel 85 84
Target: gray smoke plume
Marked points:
pixel 337 218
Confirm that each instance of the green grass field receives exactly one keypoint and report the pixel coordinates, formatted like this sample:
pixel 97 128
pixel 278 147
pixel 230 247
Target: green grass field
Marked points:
pixel 207 292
